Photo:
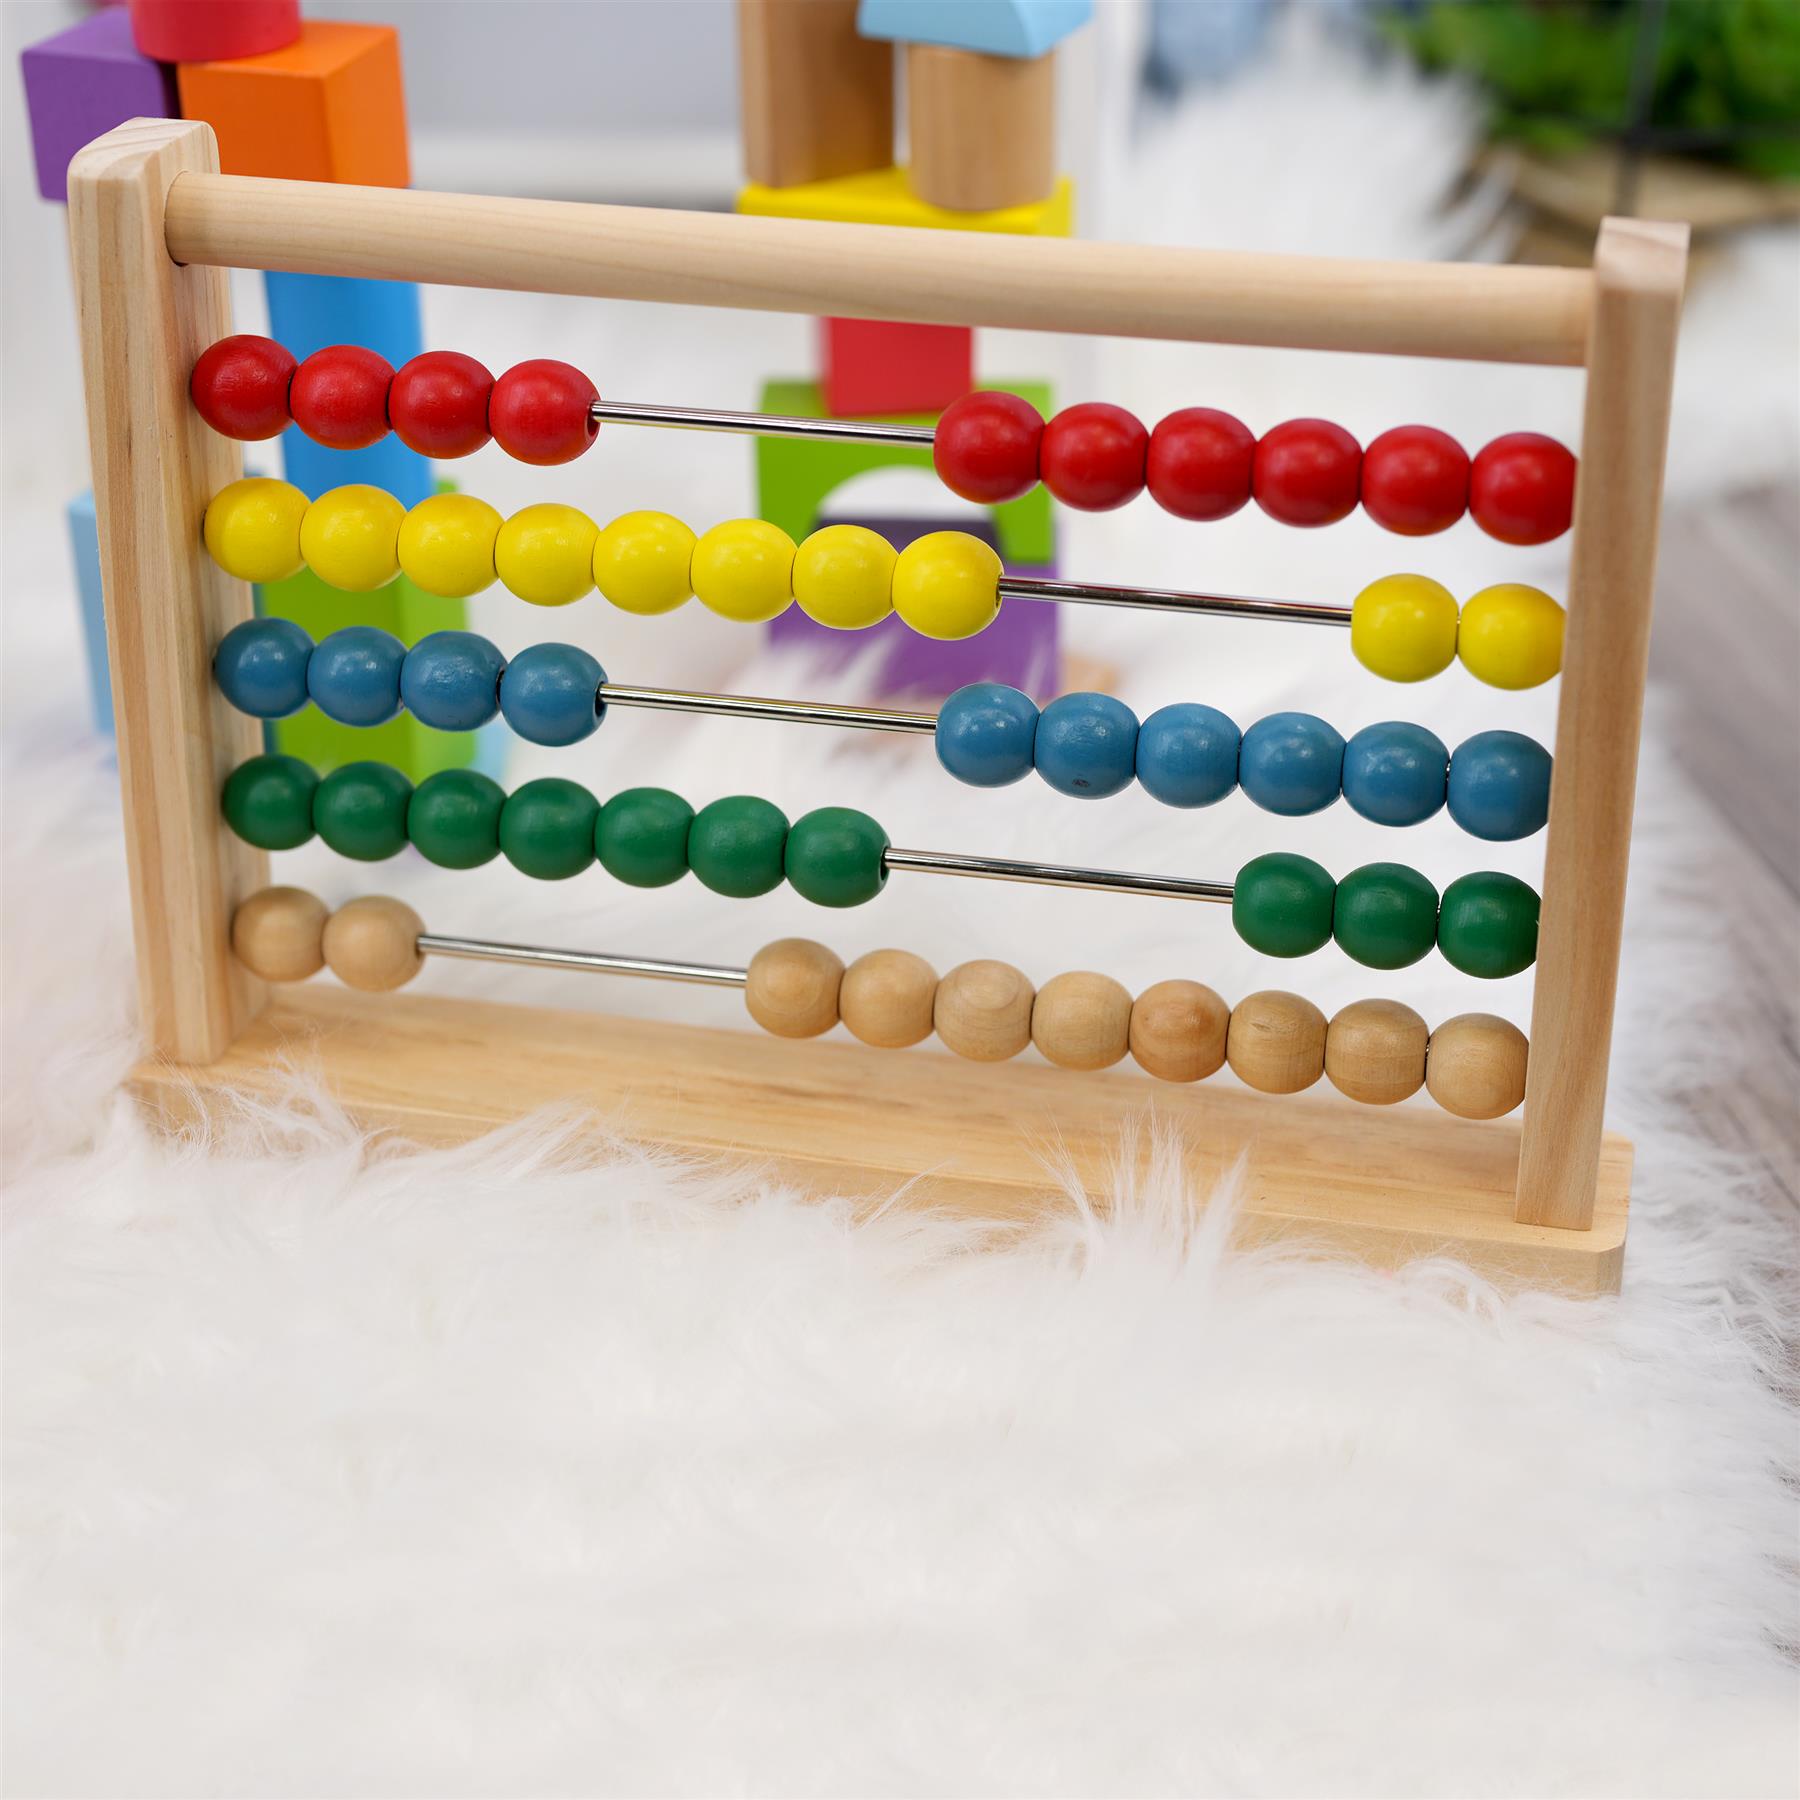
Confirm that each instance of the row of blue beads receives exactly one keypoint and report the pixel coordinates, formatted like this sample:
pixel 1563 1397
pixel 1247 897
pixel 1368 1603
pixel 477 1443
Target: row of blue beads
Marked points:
pixel 1497 785
pixel 451 680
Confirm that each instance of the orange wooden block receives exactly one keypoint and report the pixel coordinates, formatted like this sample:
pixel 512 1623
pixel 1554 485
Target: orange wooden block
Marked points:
pixel 328 108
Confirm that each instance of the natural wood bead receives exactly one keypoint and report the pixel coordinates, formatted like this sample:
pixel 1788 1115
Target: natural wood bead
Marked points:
pixel 1082 1020
pixel 373 943
pixel 1276 1042
pixel 276 933
pixel 983 1011
pixel 1178 1030
pixel 1475 1066
pixel 1375 1051
pixel 887 998
pixel 793 988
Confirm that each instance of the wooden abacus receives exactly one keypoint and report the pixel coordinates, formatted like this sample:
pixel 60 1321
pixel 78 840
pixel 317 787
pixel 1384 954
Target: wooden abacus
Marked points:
pixel 1543 1199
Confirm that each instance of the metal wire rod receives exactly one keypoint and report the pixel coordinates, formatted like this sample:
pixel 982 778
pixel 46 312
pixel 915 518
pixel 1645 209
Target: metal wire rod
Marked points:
pixel 709 418
pixel 1303 612
pixel 745 706
pixel 1105 881
pixel 594 962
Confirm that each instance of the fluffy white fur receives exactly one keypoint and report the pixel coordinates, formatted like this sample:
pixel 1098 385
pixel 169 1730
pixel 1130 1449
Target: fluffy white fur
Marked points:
pixel 333 1469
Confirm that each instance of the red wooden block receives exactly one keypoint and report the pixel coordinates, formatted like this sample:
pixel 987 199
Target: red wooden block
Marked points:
pixel 213 30
pixel 875 366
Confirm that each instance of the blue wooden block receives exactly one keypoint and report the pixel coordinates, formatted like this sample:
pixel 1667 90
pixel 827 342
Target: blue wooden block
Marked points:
pixel 993 27
pixel 84 541
pixel 307 312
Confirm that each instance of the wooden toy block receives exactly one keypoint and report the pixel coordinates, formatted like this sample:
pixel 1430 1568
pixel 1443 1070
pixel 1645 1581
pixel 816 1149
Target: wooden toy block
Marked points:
pixel 83 82
pixel 993 27
pixel 818 97
pixel 885 197
pixel 189 31
pixel 84 547
pixel 328 107
pixel 982 128
pixel 874 366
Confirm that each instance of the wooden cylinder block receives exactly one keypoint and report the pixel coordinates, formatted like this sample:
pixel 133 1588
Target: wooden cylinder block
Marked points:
pixel 1178 1031
pixel 983 1011
pixel 1082 1020
pixel 983 128
pixel 278 933
pixel 1375 1051
pixel 793 988
pixel 1276 1042
pixel 887 998
pixel 1475 1066
pixel 373 943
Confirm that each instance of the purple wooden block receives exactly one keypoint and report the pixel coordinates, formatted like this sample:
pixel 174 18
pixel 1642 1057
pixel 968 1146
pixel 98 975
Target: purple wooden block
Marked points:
pixel 1019 648
pixel 83 82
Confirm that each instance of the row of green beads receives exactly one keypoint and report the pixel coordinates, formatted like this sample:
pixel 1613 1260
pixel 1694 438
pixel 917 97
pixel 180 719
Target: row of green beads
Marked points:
pixel 553 829
pixel 1385 915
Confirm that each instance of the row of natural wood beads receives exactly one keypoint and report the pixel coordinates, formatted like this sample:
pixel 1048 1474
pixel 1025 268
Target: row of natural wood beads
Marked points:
pixel 1376 1051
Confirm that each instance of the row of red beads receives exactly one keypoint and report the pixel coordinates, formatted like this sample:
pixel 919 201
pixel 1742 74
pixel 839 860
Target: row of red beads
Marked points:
pixel 1203 464
pixel 441 404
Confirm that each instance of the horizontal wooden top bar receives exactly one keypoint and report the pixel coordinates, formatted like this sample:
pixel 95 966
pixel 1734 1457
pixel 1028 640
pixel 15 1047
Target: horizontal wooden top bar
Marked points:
pixel 1484 312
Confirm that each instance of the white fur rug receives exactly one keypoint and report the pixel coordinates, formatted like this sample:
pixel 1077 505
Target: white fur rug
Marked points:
pixel 333 1470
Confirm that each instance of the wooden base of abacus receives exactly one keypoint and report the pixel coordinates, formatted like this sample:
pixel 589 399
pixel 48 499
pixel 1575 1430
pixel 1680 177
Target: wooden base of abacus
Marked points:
pixel 1384 1184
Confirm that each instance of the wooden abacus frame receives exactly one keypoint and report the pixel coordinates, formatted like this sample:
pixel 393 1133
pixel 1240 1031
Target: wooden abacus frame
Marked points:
pixel 1542 1199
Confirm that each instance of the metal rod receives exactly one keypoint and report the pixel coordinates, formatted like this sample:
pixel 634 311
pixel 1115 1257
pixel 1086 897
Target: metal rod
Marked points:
pixel 745 706
pixel 595 962
pixel 708 418
pixel 1302 612
pixel 1105 881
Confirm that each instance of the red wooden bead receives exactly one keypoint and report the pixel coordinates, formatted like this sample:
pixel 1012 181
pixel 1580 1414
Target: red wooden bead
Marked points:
pixel 1092 456
pixel 339 396
pixel 538 412
pixel 1415 480
pixel 1307 472
pixel 1199 463
pixel 1522 488
pixel 986 447
pixel 240 386
pixel 438 404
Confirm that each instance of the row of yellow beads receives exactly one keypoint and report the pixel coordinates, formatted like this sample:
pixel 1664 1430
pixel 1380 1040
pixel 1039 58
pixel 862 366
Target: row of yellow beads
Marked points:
pixel 944 585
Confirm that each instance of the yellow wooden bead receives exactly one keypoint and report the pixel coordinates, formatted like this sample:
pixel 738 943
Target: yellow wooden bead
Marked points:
pixel 1178 1030
pixel 983 1011
pixel 373 944
pixel 844 577
pixel 278 933
pixel 887 998
pixel 947 585
pixel 1403 627
pixel 1511 636
pixel 1081 1020
pixel 1375 1051
pixel 744 570
pixel 545 553
pixel 1475 1066
pixel 350 537
pixel 792 990
pixel 642 562
pixel 446 545
pixel 1276 1042
pixel 252 529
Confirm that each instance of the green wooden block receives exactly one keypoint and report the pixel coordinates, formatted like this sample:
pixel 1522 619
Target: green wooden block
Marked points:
pixel 795 476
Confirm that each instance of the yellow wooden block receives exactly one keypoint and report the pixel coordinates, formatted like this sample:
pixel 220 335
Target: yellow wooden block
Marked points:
pixel 883 197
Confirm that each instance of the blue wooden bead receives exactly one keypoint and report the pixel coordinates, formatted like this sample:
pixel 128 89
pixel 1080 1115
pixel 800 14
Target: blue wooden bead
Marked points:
pixel 1291 763
pixel 1394 772
pixel 549 694
pixel 1086 745
pixel 354 675
pixel 1500 786
pixel 1187 755
pixel 985 732
pixel 260 667
pixel 451 680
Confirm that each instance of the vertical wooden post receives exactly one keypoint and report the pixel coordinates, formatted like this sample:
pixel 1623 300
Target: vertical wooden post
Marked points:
pixel 144 319
pixel 1639 268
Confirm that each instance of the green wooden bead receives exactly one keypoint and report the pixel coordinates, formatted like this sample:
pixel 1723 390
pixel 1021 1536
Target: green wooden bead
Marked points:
pixel 1385 915
pixel 735 846
pixel 1281 904
pixel 454 818
pixel 1488 924
pixel 642 837
pixel 360 810
pixel 547 828
pixel 834 856
pixel 268 801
